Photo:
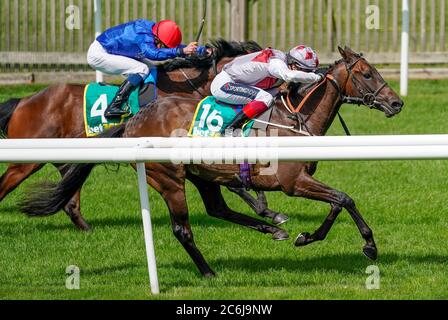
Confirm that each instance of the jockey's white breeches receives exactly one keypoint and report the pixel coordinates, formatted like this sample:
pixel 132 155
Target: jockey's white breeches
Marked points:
pixel 226 90
pixel 100 60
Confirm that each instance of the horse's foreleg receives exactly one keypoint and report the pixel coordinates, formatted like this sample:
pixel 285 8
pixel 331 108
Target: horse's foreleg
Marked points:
pixel 73 207
pixel 216 207
pixel 260 205
pixel 169 182
pixel 306 186
pixel 15 175
pixel 182 231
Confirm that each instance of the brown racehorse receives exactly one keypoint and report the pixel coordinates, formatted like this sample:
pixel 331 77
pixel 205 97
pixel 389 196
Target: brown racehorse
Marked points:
pixel 351 79
pixel 57 112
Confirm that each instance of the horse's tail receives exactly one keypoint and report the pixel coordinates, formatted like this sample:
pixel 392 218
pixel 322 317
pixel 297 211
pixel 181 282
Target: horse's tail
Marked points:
pixel 6 111
pixel 48 198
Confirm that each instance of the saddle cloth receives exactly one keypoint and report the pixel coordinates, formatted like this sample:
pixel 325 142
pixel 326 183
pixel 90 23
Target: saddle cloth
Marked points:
pixel 96 99
pixel 97 96
pixel 212 116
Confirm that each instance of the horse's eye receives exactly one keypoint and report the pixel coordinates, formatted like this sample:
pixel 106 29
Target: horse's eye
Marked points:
pixel 368 76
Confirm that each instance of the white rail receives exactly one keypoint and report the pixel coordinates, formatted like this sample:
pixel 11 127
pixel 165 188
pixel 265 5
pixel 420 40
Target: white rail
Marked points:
pixel 223 154
pixel 293 142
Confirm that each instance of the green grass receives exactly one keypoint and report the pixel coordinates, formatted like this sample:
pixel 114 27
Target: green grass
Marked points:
pixel 403 201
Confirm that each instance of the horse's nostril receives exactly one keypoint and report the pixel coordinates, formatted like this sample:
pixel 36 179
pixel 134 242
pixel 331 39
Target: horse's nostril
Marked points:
pixel 397 104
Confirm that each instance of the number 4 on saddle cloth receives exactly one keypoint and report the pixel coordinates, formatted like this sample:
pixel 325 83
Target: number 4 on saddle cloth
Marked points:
pixel 97 96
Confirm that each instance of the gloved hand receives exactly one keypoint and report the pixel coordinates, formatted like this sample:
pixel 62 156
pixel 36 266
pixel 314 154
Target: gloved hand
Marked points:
pixel 322 76
pixel 204 51
pixel 190 49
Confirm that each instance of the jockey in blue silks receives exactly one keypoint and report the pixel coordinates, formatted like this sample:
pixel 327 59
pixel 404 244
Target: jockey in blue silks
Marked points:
pixel 119 50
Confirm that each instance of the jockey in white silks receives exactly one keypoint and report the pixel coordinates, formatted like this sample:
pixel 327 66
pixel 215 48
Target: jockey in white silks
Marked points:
pixel 119 50
pixel 252 80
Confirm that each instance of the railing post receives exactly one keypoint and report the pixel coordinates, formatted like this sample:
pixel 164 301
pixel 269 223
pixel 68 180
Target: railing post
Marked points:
pixel 98 29
pixel 404 73
pixel 239 20
pixel 147 228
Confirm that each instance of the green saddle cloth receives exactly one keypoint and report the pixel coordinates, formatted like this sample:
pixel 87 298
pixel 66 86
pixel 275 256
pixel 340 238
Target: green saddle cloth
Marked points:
pixel 96 99
pixel 212 116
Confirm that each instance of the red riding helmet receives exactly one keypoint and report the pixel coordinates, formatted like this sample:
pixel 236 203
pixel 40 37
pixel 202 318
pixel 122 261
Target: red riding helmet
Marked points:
pixel 168 32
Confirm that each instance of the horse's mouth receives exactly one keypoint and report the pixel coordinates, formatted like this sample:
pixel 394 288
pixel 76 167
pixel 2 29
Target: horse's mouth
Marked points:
pixel 392 109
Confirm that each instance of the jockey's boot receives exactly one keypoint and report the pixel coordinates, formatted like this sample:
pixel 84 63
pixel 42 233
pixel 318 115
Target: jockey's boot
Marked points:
pixel 114 109
pixel 250 111
pixel 237 123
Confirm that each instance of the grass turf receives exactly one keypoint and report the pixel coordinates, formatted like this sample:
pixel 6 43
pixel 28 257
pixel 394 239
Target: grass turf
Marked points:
pixel 403 201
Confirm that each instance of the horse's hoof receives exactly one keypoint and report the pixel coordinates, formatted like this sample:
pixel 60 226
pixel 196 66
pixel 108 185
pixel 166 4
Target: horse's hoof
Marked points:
pixel 279 219
pixel 370 252
pixel 280 235
pixel 85 227
pixel 302 239
pixel 209 274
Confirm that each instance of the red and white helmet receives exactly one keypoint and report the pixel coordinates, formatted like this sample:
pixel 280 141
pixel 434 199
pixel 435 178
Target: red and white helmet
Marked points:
pixel 304 57
pixel 168 32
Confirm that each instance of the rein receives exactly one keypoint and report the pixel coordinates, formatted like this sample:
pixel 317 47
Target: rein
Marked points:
pixel 191 83
pixel 195 88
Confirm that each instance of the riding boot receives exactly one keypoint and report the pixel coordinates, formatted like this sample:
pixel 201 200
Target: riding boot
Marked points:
pixel 237 123
pixel 114 109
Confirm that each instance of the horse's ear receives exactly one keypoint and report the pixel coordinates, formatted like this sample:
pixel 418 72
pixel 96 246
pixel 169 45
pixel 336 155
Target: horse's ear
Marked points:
pixel 349 51
pixel 343 53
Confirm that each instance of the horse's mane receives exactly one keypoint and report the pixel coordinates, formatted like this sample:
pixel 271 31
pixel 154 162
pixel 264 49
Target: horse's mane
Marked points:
pixel 222 49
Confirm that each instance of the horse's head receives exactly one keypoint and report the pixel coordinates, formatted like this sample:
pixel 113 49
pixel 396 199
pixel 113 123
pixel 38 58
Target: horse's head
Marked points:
pixel 364 85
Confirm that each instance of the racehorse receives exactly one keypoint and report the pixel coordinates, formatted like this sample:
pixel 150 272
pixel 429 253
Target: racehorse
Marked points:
pixel 351 79
pixel 57 112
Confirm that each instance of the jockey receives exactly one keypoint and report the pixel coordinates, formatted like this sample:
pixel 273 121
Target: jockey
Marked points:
pixel 252 79
pixel 119 51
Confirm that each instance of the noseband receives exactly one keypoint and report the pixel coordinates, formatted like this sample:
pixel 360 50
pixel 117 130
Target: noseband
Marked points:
pixel 369 96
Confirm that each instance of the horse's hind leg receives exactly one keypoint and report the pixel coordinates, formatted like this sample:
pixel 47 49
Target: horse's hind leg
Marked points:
pixel 15 175
pixel 216 207
pixel 306 186
pixel 73 207
pixel 260 205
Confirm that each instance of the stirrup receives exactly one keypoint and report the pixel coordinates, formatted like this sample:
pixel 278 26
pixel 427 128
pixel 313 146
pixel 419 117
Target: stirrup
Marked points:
pixel 115 113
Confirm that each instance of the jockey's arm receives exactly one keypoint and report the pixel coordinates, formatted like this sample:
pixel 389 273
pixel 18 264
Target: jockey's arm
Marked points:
pixel 151 52
pixel 279 69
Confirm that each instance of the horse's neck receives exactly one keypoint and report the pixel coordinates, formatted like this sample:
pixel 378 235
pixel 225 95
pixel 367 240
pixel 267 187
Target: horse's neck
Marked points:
pixel 319 121
pixel 176 81
pixel 201 78
pixel 323 116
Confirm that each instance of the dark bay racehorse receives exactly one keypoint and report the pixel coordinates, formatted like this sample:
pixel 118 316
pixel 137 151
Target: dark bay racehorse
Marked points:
pixel 350 79
pixel 57 112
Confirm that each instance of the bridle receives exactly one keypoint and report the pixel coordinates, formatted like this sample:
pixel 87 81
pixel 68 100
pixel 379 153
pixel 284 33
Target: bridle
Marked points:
pixel 368 95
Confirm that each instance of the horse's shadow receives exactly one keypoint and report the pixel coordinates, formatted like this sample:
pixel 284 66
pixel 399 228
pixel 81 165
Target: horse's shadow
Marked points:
pixel 202 220
pixel 197 220
pixel 347 263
